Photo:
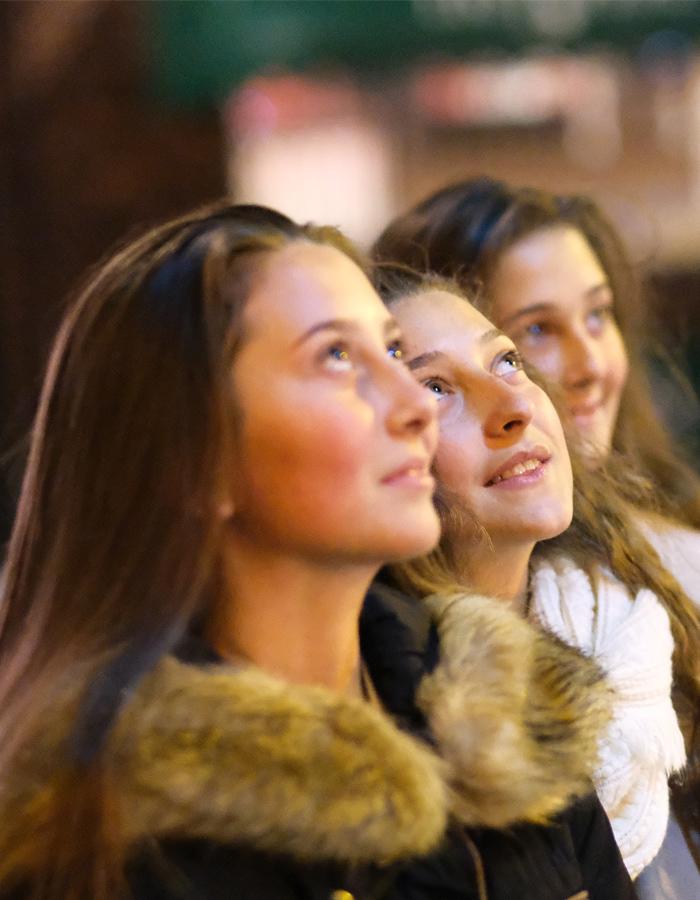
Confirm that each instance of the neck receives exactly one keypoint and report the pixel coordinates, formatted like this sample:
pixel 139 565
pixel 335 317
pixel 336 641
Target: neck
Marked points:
pixel 294 618
pixel 498 570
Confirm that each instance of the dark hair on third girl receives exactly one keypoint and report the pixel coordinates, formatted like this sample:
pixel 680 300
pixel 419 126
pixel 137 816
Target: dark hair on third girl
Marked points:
pixel 462 231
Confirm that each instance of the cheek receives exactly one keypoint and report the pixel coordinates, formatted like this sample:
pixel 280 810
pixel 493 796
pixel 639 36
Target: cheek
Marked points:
pixel 547 358
pixel 618 363
pixel 317 451
pixel 550 424
pixel 455 466
pixel 565 480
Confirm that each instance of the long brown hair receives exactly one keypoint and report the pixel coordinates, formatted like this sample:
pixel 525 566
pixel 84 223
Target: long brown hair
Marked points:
pixel 462 231
pixel 604 532
pixel 116 546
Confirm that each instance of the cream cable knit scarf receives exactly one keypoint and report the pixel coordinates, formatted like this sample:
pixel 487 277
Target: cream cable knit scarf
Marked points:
pixel 631 640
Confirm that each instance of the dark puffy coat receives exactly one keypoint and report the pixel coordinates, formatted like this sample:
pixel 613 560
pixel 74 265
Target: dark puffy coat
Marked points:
pixel 236 785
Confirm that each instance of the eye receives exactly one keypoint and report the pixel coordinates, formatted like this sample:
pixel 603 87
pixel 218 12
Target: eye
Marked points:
pixel 598 317
pixel 437 387
pixel 508 362
pixel 337 357
pixel 395 350
pixel 537 329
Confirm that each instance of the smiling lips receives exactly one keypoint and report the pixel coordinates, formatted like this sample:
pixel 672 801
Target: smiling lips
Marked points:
pixel 584 412
pixel 525 466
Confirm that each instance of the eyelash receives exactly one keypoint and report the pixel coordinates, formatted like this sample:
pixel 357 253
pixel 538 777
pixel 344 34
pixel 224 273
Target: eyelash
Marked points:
pixel 536 329
pixel 603 313
pixel 395 349
pixel 340 352
pixel 437 381
pixel 510 356
pixel 340 348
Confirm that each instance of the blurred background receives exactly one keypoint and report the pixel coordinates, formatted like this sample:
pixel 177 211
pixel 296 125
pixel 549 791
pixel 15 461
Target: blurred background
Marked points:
pixel 114 115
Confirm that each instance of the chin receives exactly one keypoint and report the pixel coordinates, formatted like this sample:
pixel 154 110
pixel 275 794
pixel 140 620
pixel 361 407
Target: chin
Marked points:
pixel 407 544
pixel 553 527
pixel 543 527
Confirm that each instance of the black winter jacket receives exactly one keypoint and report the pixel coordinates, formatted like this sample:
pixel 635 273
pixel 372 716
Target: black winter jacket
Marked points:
pixel 238 786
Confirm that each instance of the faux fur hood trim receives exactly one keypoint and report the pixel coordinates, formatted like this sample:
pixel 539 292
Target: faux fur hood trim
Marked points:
pixel 237 756
pixel 240 756
pixel 517 714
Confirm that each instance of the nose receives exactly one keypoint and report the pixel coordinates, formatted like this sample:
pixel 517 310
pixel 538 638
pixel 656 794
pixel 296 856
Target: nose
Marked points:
pixel 412 410
pixel 583 364
pixel 506 411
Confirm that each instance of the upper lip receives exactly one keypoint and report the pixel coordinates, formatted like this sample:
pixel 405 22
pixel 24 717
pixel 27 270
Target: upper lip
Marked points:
pixel 417 464
pixel 538 452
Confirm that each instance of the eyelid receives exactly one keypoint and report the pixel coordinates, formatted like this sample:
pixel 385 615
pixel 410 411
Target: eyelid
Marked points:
pixel 341 343
pixel 504 354
pixel 396 343
pixel 444 385
pixel 544 324
pixel 355 350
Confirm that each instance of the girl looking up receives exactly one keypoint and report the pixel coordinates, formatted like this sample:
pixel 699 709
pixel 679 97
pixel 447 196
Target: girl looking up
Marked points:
pixel 505 495
pixel 228 447
pixel 557 279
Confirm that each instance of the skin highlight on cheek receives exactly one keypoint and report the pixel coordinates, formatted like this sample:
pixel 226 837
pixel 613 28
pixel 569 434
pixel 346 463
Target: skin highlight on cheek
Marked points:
pixel 501 447
pixel 329 412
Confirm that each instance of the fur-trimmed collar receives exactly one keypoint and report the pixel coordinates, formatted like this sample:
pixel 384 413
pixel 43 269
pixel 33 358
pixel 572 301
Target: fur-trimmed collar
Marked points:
pixel 237 756
pixel 516 713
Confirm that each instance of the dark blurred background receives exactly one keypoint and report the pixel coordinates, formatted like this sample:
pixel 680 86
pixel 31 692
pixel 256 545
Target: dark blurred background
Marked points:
pixel 114 115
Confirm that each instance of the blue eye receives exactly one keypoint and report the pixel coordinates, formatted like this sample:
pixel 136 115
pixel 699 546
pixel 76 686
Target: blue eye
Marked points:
pixel 395 350
pixel 337 358
pixel 600 315
pixel 537 329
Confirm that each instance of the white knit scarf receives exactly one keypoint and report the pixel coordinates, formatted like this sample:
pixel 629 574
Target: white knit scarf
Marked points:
pixel 631 640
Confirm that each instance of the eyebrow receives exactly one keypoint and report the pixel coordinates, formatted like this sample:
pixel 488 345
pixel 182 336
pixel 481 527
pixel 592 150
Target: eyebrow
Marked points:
pixel 527 311
pixel 424 358
pixel 389 326
pixel 490 335
pixel 544 306
pixel 597 288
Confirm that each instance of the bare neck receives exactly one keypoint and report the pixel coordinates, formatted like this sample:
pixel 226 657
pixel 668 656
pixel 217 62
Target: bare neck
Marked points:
pixel 498 570
pixel 294 618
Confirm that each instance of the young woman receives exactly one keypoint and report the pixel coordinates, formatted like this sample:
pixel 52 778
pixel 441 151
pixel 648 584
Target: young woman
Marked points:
pixel 557 280
pixel 227 448
pixel 503 471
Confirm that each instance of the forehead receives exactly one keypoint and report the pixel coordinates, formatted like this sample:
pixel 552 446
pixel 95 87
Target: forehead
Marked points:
pixel 438 320
pixel 304 284
pixel 560 252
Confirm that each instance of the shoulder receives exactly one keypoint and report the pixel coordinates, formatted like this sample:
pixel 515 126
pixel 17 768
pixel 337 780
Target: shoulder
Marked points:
pixel 679 550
